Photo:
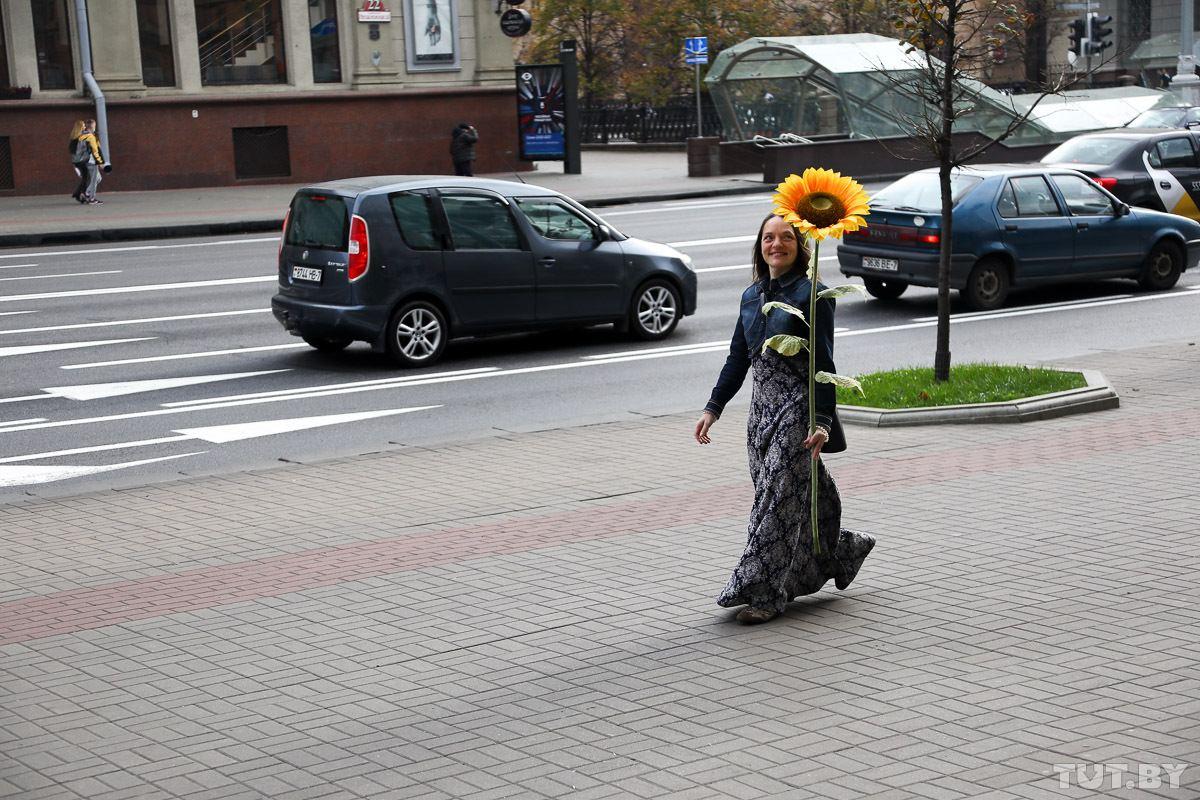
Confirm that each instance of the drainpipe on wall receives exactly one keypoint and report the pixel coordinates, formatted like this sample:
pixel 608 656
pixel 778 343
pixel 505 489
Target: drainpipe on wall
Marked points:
pixel 89 80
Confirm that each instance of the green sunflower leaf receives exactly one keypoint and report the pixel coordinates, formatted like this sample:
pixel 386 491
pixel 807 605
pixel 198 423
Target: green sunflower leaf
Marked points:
pixel 766 309
pixel 785 345
pixel 839 380
pixel 841 291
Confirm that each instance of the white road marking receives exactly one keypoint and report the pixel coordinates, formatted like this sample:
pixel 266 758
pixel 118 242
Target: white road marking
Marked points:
pixel 99 448
pixel 28 349
pixel 24 476
pixel 14 313
pixel 381 382
pixel 328 391
pixel 687 206
pixel 16 266
pixel 747 266
pixel 63 275
pixel 177 356
pixel 22 399
pixel 704 242
pixel 148 287
pixel 133 248
pixel 222 434
pixel 723 269
pixel 144 320
pixel 95 391
pixel 20 422
pixel 973 316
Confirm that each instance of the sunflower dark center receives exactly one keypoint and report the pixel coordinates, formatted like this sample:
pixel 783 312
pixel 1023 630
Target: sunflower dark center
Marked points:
pixel 821 209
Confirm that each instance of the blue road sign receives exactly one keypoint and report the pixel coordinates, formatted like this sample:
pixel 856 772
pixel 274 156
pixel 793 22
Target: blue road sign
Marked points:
pixel 695 50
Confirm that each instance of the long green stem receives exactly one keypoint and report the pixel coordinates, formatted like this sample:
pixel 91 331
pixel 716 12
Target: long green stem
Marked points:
pixel 812 385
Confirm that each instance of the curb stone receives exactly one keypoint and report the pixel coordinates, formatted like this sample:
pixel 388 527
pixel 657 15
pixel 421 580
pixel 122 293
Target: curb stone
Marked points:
pixel 1098 395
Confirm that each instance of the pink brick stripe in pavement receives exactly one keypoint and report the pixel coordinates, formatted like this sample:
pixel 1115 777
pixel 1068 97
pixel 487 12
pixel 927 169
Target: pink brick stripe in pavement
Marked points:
pixel 194 590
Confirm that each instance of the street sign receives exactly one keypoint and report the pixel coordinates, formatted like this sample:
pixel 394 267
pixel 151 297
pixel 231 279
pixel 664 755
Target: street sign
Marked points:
pixel 515 22
pixel 695 50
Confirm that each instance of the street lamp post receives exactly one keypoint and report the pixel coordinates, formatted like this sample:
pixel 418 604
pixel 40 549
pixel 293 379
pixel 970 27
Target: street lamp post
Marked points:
pixel 1185 75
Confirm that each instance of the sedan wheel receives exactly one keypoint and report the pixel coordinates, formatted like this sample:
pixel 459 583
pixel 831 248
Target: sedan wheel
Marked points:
pixel 1162 267
pixel 987 285
pixel 416 335
pixel 655 310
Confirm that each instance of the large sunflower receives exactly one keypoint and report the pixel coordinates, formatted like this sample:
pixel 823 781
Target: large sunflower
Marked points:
pixel 822 203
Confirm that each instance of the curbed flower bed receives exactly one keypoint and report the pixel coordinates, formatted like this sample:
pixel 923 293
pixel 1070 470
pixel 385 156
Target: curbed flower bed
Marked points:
pixel 914 387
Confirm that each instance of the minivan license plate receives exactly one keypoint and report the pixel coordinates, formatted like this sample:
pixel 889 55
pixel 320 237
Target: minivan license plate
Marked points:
pixel 306 274
pixel 889 264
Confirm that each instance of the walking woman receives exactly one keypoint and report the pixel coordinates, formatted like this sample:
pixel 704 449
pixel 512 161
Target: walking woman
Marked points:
pixel 779 562
pixel 88 150
pixel 81 171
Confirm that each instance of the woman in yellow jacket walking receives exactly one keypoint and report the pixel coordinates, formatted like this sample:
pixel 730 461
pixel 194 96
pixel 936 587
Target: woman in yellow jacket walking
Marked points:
pixel 87 151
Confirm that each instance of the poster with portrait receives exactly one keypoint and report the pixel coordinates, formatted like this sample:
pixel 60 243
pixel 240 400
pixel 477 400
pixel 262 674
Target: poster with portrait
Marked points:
pixel 432 28
pixel 541 112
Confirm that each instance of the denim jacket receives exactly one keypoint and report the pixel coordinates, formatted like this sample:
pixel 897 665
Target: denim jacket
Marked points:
pixel 753 328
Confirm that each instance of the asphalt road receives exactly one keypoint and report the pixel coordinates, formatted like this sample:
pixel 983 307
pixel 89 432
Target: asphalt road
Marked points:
pixel 137 363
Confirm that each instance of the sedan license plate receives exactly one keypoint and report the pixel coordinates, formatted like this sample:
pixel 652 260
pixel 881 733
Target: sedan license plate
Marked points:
pixel 888 264
pixel 306 274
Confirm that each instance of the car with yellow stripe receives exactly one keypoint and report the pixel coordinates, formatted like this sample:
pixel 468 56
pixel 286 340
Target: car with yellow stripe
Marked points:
pixel 1149 168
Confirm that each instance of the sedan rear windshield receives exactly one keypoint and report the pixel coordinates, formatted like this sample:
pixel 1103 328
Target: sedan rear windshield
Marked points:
pixel 319 221
pixel 1089 150
pixel 921 191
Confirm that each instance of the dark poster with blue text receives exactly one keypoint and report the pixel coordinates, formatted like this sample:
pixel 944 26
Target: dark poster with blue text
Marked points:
pixel 541 112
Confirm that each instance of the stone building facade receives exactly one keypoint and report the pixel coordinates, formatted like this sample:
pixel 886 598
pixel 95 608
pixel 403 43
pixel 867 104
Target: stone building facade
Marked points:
pixel 221 92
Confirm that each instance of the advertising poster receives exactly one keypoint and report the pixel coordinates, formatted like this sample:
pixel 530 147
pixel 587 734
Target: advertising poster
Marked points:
pixel 432 38
pixel 541 112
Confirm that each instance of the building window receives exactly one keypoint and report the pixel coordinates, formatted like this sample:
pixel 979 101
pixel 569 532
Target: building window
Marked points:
pixel 154 31
pixel 261 152
pixel 4 79
pixel 241 41
pixel 52 37
pixel 323 32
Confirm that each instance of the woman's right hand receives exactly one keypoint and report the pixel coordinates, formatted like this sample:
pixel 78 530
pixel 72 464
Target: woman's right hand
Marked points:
pixel 702 425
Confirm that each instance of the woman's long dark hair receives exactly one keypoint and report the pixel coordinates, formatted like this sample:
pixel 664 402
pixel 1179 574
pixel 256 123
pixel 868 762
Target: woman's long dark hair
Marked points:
pixel 759 264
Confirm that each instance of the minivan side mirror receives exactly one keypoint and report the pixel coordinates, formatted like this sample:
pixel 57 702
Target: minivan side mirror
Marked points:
pixel 1121 209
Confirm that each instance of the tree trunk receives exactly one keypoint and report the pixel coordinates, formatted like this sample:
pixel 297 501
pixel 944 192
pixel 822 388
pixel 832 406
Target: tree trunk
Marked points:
pixel 945 148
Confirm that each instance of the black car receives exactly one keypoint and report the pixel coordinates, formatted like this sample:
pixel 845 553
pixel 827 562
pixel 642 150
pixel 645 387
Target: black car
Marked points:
pixel 406 263
pixel 1150 168
pixel 1167 117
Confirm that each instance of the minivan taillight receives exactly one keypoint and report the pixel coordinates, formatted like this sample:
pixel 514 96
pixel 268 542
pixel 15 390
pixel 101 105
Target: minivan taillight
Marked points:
pixel 360 250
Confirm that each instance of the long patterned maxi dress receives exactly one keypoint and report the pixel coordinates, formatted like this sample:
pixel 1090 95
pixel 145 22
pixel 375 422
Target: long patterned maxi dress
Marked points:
pixel 778 563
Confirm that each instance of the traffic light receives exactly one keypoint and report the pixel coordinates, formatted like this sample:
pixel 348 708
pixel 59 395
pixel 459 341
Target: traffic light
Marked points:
pixel 1099 29
pixel 1078 37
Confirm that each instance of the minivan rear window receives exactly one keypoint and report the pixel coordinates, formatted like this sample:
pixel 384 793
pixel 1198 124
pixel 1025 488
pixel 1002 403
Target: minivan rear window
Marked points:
pixel 319 221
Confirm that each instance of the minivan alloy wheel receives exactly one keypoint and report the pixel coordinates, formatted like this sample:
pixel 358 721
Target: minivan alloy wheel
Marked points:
pixel 417 334
pixel 657 310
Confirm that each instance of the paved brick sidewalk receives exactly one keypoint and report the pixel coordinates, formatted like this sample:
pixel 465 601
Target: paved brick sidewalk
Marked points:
pixel 532 616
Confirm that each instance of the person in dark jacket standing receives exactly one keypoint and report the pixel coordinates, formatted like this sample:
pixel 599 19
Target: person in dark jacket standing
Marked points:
pixel 462 149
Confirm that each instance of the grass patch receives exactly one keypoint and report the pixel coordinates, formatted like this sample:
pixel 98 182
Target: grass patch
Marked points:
pixel 914 387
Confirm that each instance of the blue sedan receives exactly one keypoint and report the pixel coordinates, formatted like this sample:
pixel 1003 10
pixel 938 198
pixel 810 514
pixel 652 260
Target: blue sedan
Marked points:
pixel 1014 225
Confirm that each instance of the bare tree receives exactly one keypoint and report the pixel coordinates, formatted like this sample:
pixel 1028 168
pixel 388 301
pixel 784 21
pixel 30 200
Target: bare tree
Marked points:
pixel 950 42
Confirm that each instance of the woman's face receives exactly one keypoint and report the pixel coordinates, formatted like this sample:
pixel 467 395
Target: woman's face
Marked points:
pixel 779 245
